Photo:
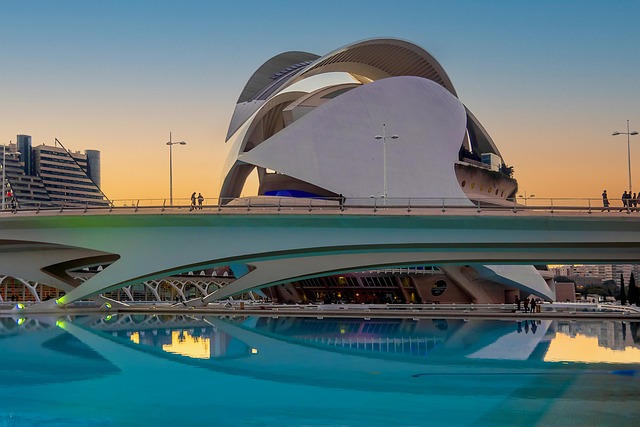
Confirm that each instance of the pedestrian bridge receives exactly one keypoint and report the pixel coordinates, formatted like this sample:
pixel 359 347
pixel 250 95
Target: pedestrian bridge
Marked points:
pixel 277 241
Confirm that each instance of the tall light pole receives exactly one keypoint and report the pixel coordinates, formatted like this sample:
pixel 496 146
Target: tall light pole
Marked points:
pixel 628 148
pixel 171 144
pixel 531 196
pixel 384 137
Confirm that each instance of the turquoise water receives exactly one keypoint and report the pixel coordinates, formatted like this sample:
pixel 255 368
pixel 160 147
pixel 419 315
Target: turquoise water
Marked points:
pixel 132 370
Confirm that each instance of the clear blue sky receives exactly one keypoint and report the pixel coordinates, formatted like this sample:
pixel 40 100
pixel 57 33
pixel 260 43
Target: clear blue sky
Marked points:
pixel 550 80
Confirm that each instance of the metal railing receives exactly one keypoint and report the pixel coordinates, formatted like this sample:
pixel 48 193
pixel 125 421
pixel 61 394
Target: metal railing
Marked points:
pixel 362 205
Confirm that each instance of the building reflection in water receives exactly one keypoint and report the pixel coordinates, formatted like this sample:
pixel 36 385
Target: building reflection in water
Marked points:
pixel 560 340
pixel 250 363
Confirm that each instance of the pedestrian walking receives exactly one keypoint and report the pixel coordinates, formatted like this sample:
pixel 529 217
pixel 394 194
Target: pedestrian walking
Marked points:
pixel 605 201
pixel 193 201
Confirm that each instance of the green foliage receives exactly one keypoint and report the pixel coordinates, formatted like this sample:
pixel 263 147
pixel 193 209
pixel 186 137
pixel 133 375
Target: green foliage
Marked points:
pixel 507 170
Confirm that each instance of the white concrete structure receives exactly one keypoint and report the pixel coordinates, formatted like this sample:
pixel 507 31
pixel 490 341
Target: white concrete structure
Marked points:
pixel 279 247
pixel 307 125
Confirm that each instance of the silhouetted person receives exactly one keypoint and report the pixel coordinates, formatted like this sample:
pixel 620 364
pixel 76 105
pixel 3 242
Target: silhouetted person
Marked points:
pixel 193 201
pixel 200 200
pixel 625 200
pixel 605 201
pixel 526 305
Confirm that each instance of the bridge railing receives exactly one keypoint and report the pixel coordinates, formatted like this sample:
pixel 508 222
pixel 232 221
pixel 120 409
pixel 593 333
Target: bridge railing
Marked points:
pixel 357 205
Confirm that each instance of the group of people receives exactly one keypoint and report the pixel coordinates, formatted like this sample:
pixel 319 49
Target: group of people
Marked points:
pixel 629 201
pixel 530 305
pixel 199 198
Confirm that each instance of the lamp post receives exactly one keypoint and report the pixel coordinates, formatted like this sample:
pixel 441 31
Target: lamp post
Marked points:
pixel 171 144
pixel 628 148
pixel 384 137
pixel 531 196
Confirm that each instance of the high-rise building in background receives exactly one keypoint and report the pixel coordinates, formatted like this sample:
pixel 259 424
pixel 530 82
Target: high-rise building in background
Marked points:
pixel 602 271
pixel 45 176
pixel 17 185
pixel 24 153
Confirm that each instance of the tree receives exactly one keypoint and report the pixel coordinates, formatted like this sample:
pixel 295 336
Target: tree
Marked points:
pixel 507 170
pixel 633 291
pixel 623 295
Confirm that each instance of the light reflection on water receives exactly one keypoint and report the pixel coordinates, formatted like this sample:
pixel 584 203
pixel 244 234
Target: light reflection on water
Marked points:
pixel 307 371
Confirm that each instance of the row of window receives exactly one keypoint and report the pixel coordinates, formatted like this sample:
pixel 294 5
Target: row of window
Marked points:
pixel 66 183
pixel 481 188
pixel 76 173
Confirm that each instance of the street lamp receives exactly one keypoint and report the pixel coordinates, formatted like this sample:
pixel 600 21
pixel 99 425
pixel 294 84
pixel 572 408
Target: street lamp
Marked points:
pixel 171 144
pixel 384 137
pixel 628 148
pixel 531 196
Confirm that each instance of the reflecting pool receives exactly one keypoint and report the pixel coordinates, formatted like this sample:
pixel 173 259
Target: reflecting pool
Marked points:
pixel 166 370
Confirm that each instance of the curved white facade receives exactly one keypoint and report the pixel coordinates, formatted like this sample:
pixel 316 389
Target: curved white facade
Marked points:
pixel 313 123
pixel 309 130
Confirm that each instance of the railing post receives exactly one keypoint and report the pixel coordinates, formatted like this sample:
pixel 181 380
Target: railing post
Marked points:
pixel 375 208
pixel 551 205
pixel 589 205
pixel 409 205
pixel 515 209
pixel 444 209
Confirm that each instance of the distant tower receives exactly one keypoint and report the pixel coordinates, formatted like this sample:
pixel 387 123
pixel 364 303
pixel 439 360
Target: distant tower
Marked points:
pixel 26 156
pixel 93 166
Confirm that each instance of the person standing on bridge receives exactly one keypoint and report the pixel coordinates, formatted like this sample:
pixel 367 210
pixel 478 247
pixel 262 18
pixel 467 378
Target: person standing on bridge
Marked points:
pixel 625 200
pixel 200 200
pixel 193 201
pixel 605 201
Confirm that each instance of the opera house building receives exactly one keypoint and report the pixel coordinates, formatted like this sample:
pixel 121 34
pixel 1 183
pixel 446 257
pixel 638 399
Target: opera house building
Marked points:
pixel 377 121
pixel 374 123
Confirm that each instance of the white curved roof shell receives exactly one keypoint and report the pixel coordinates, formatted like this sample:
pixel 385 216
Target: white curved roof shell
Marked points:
pixel 333 146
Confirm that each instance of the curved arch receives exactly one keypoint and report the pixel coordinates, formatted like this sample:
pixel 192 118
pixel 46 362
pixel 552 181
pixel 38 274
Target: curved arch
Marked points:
pixel 481 141
pixel 265 80
pixel 268 72
pixel 394 57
